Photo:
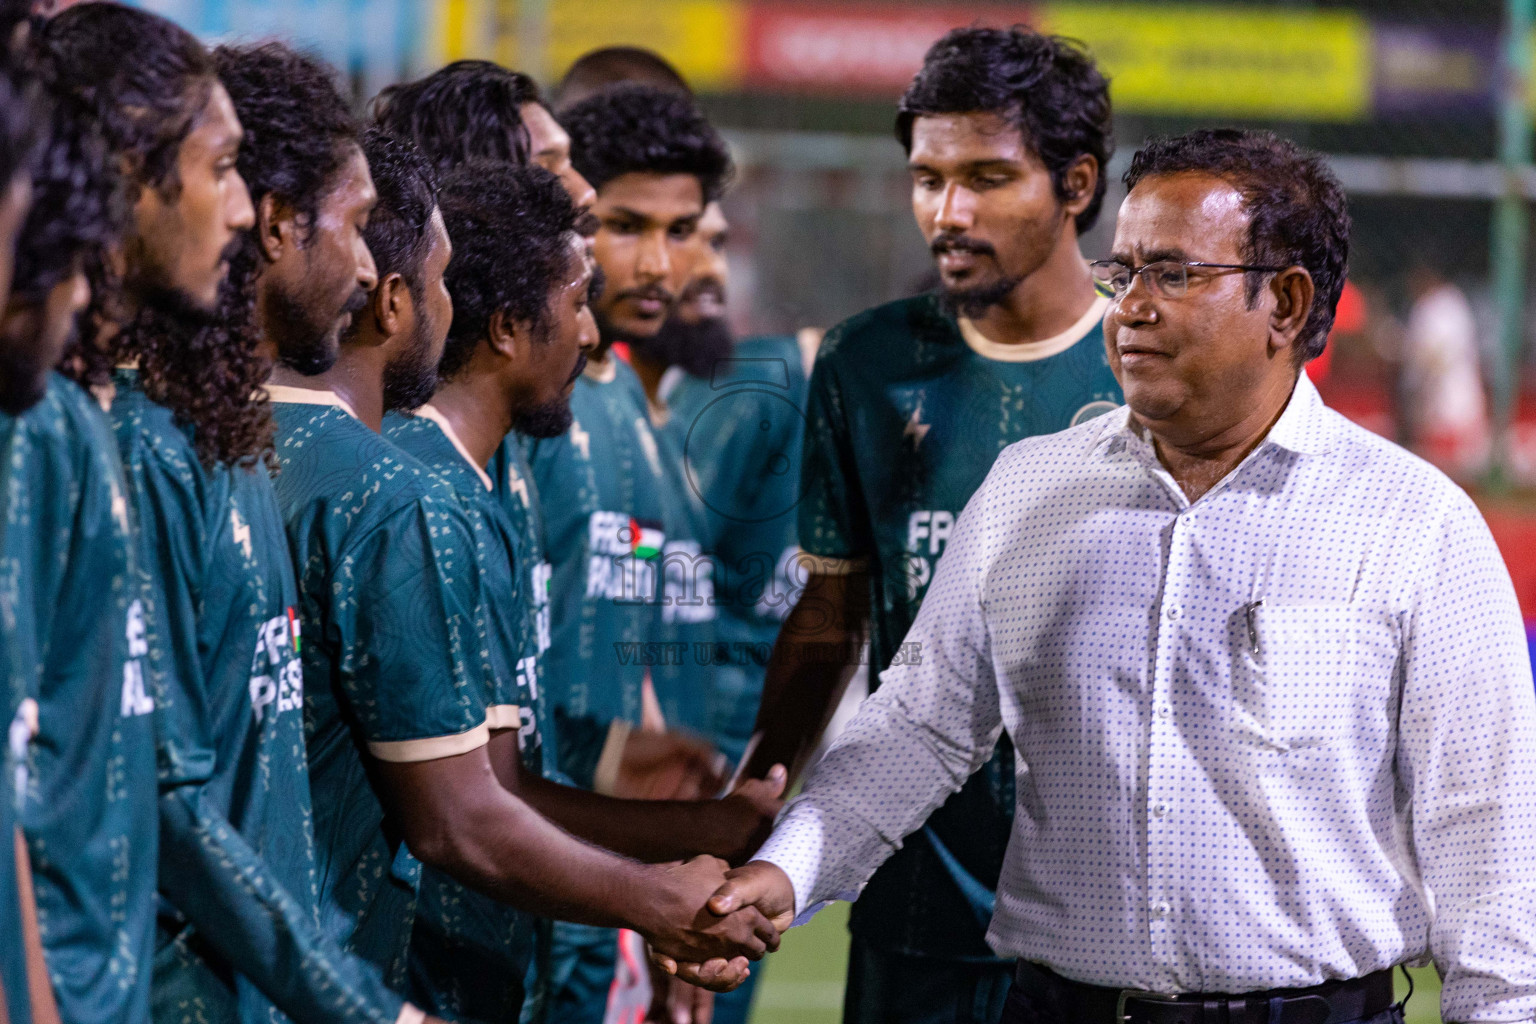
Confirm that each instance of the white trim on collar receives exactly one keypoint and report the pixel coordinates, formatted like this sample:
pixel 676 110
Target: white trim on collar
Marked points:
pixel 1035 350
pixel 605 372
pixel 288 395
pixel 431 412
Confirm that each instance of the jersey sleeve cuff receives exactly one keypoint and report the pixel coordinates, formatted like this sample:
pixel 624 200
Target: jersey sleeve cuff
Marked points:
pixel 432 748
pixel 411 1015
pixel 605 779
pixel 828 565
pixel 503 716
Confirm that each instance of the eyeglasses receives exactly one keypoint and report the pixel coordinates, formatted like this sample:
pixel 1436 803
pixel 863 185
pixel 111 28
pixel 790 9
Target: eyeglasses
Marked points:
pixel 1168 279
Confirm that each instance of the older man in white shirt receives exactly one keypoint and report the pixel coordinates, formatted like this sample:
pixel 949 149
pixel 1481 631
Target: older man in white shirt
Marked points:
pixel 1264 671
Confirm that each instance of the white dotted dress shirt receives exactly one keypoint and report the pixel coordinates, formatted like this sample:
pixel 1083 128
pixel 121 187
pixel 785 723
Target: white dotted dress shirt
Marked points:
pixel 1281 735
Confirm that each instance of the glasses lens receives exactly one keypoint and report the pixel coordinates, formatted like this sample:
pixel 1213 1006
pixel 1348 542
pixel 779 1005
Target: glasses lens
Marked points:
pixel 1170 280
pixel 1114 276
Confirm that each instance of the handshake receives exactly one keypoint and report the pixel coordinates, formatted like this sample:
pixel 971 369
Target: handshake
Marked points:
pixel 711 921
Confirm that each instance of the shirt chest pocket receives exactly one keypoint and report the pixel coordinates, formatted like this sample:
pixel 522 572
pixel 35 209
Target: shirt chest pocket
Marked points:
pixel 1316 674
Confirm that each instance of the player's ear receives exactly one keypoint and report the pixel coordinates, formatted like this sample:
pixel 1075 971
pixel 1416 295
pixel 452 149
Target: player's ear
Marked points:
pixel 506 335
pixel 390 305
pixel 1079 182
pixel 277 225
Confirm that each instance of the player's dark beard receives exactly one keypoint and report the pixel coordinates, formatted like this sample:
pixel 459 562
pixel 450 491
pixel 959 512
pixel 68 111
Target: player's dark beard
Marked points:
pixel 971 302
pixel 411 379
pixel 308 343
pixel 696 347
pixel 548 420
pixel 552 418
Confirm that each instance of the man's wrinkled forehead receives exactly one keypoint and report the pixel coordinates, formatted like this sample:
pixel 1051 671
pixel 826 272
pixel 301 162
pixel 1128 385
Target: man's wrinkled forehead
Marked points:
pixel 1187 216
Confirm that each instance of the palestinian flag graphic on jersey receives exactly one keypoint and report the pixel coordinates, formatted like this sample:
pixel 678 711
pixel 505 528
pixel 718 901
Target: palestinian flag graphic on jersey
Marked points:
pixel 645 538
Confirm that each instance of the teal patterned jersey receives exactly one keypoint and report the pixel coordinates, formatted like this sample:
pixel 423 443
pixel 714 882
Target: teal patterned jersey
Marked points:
pixel 517 495
pixel 907 411
pixel 603 534
pixel 388 597
pixel 75 631
pixel 742 431
pixel 687 612
pixel 15 711
pixel 470 953
pixel 239 935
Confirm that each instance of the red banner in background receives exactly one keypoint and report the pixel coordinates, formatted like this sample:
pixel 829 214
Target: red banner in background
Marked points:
pixel 874 49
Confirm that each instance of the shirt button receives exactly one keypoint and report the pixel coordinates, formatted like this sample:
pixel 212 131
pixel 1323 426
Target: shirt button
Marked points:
pixel 1164 711
pixel 1159 810
pixel 1160 910
pixel 1174 611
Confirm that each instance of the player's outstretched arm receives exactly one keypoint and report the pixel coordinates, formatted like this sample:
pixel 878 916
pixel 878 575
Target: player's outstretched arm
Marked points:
pixel 814 657
pixel 659 830
pixel 457 816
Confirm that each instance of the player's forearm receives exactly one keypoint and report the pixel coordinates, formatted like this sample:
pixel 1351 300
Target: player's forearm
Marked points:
pixel 224 888
pixel 814 657
pixel 648 830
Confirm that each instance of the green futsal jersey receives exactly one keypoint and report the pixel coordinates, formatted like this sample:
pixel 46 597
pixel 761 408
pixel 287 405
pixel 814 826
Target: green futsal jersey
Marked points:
pixel 15 710
pixel 742 430
pixel 517 495
pixel 470 953
pixel 688 613
pixel 238 931
pixel 74 620
pixel 603 535
pixel 388 598
pixel 908 409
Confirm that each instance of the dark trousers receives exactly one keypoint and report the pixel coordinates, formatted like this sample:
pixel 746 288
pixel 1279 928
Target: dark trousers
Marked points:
pixel 1025 1008
pixel 893 988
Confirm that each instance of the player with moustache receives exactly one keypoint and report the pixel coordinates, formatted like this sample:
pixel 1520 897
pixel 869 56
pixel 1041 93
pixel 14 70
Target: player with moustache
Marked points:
pixel 1007 134
pixel 400 709
pixel 480 110
pixel 238 933
pixel 90 810
pixel 519 282
pixel 655 163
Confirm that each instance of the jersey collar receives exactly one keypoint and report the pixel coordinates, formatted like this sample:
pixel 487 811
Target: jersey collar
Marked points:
pixel 288 395
pixel 431 412
pixel 1036 350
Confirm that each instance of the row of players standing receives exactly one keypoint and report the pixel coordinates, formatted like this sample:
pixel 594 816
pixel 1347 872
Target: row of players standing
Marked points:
pixel 341 671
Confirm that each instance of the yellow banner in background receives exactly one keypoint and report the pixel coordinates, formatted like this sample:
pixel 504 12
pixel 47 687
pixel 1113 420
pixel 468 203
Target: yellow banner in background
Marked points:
pixel 702 38
pixel 1177 59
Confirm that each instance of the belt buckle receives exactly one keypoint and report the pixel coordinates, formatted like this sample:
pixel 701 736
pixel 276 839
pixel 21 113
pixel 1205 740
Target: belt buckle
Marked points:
pixel 1121 1017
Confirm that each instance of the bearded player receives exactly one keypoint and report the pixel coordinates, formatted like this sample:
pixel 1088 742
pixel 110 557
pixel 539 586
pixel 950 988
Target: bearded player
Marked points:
pixel 1007 137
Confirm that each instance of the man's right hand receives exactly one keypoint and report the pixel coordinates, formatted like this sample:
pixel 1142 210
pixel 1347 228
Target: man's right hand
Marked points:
pixel 759 884
pixel 673 918
pixel 668 766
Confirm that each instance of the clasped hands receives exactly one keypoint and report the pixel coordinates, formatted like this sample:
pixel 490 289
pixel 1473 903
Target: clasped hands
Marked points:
pixel 750 906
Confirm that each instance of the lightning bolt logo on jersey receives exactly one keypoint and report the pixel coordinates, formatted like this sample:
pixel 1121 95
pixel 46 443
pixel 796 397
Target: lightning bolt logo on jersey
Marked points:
pixel 908 409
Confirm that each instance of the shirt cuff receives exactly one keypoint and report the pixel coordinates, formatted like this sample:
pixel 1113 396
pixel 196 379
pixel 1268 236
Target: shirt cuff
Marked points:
pixel 605 779
pixel 797 847
pixel 411 1015
pixel 431 748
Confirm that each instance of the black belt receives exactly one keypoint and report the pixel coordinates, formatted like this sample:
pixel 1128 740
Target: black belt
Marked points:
pixel 1332 1002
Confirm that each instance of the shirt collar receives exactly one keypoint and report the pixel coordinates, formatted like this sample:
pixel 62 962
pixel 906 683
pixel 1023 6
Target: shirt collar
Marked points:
pixel 288 395
pixel 431 412
pixel 1304 427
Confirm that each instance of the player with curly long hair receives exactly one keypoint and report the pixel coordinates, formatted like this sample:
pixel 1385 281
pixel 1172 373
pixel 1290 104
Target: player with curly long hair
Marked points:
pixel 242 935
